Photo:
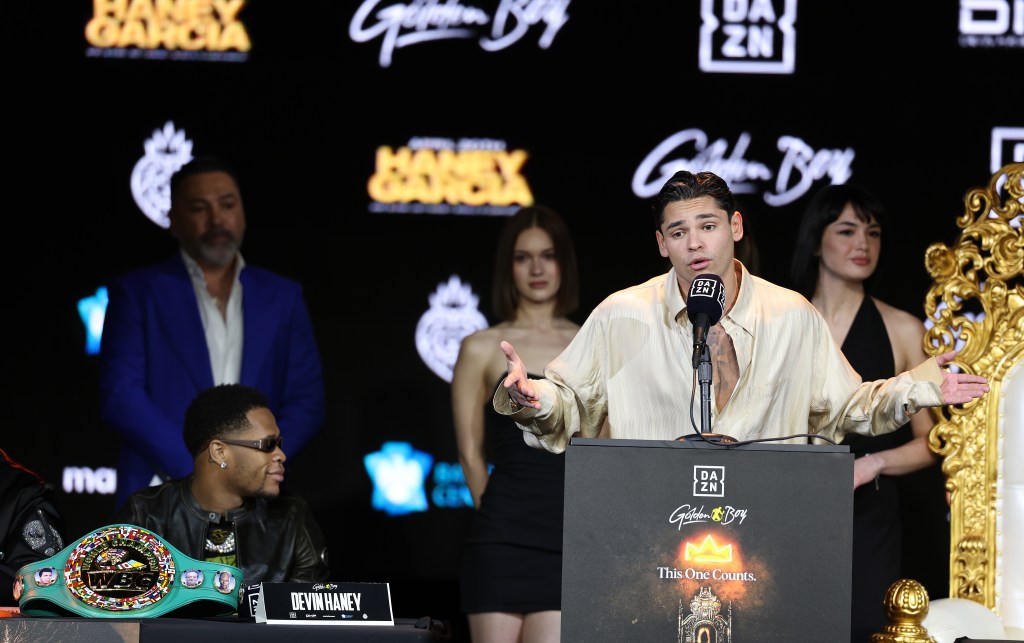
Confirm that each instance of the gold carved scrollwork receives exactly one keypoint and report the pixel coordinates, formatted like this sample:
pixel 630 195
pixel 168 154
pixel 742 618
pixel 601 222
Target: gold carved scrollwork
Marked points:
pixel 977 296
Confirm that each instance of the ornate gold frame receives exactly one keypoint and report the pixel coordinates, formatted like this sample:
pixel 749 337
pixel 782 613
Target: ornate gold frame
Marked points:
pixel 983 266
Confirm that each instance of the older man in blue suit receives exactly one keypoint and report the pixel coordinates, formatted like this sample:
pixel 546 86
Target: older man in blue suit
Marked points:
pixel 203 318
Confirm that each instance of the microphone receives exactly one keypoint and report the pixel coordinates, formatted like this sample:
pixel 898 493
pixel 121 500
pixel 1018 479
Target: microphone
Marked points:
pixel 704 306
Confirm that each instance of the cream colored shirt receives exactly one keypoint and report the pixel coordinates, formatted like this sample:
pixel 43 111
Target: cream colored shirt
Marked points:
pixel 631 362
pixel 224 335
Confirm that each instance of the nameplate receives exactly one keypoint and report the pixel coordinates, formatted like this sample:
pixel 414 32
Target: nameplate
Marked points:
pixel 324 603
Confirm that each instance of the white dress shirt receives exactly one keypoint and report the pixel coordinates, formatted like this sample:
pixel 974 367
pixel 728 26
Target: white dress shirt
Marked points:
pixel 631 362
pixel 224 334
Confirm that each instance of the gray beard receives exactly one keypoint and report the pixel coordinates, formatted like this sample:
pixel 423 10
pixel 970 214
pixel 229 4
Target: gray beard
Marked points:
pixel 220 256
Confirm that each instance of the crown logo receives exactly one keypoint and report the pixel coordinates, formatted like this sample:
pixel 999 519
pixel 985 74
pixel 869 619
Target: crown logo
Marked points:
pixel 453 295
pixel 708 552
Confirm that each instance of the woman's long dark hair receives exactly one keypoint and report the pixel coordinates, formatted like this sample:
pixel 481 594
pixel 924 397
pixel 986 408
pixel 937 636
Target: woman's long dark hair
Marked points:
pixel 504 296
pixel 823 209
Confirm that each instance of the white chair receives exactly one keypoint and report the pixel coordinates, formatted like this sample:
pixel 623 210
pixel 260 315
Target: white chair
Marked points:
pixel 951 618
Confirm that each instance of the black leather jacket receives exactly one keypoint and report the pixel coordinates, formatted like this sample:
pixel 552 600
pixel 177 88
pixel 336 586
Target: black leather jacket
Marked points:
pixel 30 525
pixel 277 539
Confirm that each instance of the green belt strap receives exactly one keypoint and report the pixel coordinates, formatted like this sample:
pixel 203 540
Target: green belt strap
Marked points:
pixel 125 571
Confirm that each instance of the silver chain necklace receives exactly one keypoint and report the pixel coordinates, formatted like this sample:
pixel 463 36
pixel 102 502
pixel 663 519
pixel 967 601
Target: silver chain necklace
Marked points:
pixel 225 547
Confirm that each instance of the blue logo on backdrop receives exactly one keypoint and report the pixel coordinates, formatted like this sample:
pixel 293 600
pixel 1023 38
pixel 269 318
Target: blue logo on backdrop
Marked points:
pixel 398 472
pixel 450 488
pixel 92 311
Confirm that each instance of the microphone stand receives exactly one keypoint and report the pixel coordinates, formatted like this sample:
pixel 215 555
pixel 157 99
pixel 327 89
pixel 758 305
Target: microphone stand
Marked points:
pixel 704 379
pixel 702 362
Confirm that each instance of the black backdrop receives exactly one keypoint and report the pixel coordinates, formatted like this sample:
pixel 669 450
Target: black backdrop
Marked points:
pixel 303 118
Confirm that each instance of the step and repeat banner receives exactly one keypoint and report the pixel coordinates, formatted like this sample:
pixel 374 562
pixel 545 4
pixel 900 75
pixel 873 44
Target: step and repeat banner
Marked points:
pixel 381 145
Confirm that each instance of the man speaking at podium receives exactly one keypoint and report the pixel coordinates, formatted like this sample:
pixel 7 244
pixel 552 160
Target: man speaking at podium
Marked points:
pixel 777 370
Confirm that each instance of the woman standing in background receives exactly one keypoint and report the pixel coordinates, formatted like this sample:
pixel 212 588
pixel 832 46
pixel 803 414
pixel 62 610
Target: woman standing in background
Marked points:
pixel 510 581
pixel 837 251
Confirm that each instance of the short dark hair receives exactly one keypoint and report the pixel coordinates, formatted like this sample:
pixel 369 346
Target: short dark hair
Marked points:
pixel 219 411
pixel 504 296
pixel 822 210
pixel 201 165
pixel 685 186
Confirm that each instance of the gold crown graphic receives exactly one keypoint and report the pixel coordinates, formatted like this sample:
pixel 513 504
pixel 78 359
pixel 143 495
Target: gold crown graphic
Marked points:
pixel 708 552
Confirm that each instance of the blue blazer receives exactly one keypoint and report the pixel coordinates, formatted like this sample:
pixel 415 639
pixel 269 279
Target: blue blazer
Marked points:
pixel 154 361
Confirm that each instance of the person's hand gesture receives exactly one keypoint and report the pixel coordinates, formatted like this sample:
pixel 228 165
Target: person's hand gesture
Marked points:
pixel 520 389
pixel 959 388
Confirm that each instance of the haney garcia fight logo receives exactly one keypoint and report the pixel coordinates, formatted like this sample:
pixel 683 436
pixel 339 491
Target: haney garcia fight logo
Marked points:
pixel 120 568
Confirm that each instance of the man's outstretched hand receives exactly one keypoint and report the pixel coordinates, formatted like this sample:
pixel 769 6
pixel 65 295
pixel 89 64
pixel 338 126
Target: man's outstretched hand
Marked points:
pixel 959 388
pixel 520 389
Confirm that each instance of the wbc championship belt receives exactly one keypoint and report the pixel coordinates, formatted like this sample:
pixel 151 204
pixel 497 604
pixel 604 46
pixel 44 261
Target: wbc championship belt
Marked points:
pixel 125 571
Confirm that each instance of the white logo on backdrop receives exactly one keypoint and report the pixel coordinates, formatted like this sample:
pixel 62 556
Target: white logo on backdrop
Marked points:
pixel 992 23
pixel 690 149
pixel 166 151
pixel 452 315
pixel 748 36
pixel 422 21
pixel 87 480
pixel 1007 146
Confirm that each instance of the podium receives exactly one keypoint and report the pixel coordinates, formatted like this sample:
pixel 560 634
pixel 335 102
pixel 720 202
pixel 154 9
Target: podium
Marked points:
pixel 689 542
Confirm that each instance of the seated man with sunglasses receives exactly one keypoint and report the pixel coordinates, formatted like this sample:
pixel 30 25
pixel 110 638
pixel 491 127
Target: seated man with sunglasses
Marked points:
pixel 232 509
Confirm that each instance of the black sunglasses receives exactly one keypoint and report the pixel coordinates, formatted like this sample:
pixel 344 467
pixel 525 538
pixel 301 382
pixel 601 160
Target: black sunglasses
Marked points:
pixel 266 445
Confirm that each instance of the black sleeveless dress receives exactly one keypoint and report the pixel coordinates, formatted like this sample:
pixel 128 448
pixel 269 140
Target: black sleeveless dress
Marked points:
pixel 512 559
pixel 877 531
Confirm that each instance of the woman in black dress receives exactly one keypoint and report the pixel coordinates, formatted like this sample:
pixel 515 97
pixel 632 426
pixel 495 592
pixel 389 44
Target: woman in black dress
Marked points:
pixel 510 581
pixel 837 251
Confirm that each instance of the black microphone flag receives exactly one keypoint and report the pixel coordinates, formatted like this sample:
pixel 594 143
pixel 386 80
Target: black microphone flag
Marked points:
pixel 705 305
